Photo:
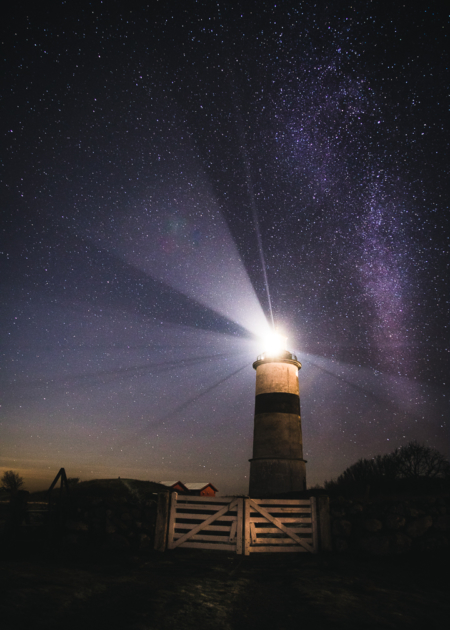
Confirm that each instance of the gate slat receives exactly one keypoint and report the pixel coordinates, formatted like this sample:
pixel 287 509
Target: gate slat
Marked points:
pixel 223 539
pixel 185 498
pixel 208 528
pixel 287 519
pixel 197 517
pixel 282 501
pixel 197 511
pixel 275 530
pixel 274 541
pixel 288 510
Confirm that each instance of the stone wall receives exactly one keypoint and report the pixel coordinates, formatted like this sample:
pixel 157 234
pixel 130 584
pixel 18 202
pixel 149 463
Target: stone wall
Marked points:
pixel 115 524
pixel 107 523
pixel 390 526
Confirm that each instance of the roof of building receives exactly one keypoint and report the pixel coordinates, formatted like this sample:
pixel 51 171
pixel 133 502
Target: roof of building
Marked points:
pixel 170 484
pixel 199 486
pixel 189 486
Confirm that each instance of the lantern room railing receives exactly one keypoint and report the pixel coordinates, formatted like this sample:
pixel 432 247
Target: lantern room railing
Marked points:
pixel 285 354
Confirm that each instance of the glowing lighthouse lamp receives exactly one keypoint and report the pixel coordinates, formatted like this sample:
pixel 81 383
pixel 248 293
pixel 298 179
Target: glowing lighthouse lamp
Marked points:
pixel 277 466
pixel 274 344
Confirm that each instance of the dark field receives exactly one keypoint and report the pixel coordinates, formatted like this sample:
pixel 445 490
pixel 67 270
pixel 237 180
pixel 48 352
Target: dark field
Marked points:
pixel 212 590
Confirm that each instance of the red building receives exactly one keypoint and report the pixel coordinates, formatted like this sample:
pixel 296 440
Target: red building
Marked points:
pixel 176 486
pixel 202 489
pixel 197 489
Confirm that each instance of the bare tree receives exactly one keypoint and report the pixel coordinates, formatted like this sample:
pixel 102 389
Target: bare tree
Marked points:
pixel 378 473
pixel 409 467
pixel 416 461
pixel 11 481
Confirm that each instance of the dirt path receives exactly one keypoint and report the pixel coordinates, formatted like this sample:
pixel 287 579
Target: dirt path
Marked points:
pixel 202 591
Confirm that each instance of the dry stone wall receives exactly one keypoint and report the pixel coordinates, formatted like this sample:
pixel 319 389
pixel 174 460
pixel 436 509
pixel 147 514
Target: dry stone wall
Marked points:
pixel 393 526
pixel 118 525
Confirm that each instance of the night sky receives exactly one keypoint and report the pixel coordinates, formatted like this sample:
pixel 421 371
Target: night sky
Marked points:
pixel 170 173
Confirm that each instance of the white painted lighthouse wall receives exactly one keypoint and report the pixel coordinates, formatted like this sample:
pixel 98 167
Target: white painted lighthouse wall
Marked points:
pixel 276 377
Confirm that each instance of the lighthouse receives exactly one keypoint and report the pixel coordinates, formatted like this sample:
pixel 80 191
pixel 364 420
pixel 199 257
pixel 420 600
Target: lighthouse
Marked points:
pixel 277 465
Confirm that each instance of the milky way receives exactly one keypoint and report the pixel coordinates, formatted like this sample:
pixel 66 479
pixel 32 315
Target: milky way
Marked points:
pixel 169 173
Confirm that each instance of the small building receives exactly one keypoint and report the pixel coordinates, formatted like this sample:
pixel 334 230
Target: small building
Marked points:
pixel 199 489
pixel 176 486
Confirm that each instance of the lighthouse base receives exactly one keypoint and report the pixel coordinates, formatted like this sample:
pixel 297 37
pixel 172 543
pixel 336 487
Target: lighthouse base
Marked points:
pixel 276 476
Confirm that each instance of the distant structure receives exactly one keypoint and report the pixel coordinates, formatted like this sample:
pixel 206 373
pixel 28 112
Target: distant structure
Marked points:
pixel 200 489
pixel 176 486
pixel 277 466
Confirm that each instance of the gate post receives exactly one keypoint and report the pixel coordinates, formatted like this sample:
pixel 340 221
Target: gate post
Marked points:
pixel 162 520
pixel 323 509
pixel 239 526
pixel 246 510
pixel 314 524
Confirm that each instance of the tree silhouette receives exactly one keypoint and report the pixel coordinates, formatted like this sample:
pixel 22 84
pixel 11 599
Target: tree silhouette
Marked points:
pixel 407 468
pixel 11 481
pixel 416 461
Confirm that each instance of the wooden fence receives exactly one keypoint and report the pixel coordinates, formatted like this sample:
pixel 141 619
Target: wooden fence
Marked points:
pixel 242 525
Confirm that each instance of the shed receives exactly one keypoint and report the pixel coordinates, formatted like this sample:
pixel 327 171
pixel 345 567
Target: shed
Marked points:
pixel 176 486
pixel 201 489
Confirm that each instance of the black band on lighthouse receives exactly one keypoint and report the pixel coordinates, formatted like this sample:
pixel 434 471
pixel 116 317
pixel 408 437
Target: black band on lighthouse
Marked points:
pixel 277 402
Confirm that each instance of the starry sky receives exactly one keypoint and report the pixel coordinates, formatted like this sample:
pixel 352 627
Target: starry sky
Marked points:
pixel 175 173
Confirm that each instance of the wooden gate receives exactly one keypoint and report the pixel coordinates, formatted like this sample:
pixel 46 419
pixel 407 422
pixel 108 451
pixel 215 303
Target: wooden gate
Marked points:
pixel 206 523
pixel 273 525
pixel 243 525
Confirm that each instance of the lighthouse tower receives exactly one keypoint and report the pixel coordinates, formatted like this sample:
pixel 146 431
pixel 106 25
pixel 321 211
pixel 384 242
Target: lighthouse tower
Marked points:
pixel 277 465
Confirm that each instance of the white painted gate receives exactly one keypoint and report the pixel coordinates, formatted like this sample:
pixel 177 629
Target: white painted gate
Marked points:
pixel 206 523
pixel 243 525
pixel 273 525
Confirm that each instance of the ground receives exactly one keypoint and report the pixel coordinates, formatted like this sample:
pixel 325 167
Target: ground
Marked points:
pixel 202 590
